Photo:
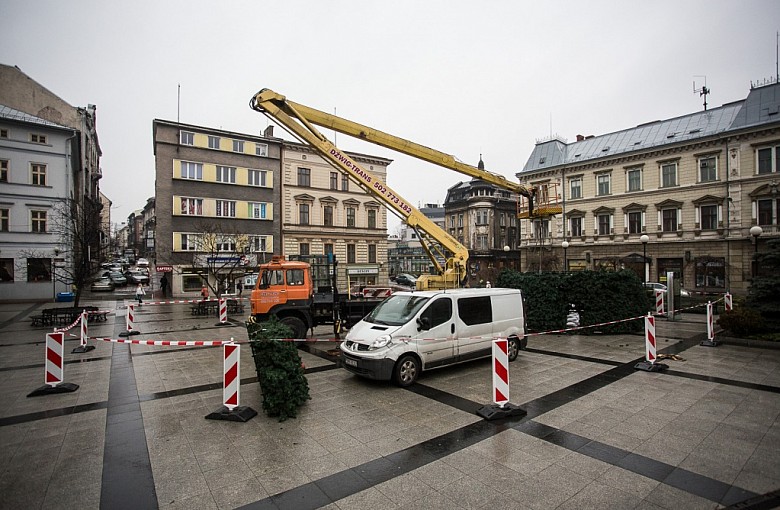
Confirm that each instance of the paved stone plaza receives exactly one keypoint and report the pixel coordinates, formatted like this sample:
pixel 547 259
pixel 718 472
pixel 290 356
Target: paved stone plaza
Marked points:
pixel 598 433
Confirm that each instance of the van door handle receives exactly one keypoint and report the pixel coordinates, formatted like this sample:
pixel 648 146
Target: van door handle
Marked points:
pixel 452 328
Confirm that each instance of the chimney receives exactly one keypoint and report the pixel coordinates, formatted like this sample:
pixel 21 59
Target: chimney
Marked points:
pixel 269 132
pixel 580 138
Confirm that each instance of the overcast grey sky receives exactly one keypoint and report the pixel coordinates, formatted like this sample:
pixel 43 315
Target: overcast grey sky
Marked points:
pixel 462 77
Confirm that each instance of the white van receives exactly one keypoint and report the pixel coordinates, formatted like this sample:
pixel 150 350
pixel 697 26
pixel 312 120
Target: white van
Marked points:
pixel 414 331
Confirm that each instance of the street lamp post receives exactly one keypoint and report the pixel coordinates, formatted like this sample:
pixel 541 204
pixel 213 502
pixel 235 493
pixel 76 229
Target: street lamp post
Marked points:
pixel 565 246
pixel 645 239
pixel 755 231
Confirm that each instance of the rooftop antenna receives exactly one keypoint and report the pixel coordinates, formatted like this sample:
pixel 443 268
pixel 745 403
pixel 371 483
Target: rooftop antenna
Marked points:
pixel 178 103
pixel 703 91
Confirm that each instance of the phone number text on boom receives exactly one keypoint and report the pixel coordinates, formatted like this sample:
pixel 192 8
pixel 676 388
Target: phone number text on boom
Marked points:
pixel 391 197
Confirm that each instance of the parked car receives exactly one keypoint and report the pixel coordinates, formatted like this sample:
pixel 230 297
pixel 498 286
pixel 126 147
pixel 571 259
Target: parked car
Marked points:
pixel 406 280
pixel 142 262
pixel 136 277
pixel 118 278
pixel 103 284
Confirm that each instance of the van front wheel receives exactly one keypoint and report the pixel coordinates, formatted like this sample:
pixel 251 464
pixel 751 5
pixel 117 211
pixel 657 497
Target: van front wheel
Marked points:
pixel 406 371
pixel 513 348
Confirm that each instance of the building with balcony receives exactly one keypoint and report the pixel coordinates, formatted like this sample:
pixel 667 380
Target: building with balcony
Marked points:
pixel 694 185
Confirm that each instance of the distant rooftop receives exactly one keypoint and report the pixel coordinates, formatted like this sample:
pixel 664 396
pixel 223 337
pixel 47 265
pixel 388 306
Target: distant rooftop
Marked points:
pixel 760 107
pixel 6 112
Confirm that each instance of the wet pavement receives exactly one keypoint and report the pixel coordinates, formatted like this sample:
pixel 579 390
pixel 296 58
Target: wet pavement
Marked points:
pixel 597 433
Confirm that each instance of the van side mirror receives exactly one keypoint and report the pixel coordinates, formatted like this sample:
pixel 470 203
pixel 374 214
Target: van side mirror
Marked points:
pixel 423 323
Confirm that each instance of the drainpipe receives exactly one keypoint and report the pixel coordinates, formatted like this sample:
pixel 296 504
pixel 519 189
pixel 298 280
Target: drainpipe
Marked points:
pixel 728 222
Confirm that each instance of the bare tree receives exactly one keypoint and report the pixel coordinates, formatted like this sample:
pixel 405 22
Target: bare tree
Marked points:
pixel 220 256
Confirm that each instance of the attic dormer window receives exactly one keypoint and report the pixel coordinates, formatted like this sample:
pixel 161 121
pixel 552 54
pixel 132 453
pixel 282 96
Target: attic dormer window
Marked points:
pixel 542 160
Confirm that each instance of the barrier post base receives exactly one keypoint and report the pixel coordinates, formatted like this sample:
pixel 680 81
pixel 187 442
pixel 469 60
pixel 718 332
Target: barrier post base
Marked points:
pixel 53 390
pixel 223 324
pixel 240 413
pixel 81 349
pixel 650 367
pixel 129 333
pixel 496 412
pixel 708 343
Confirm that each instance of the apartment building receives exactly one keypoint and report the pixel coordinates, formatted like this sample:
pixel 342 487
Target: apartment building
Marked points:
pixel 678 195
pixel 217 202
pixel 324 211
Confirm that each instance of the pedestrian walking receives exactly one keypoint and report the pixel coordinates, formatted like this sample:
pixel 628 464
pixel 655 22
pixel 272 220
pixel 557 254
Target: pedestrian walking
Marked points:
pixel 240 287
pixel 164 286
pixel 204 292
pixel 140 293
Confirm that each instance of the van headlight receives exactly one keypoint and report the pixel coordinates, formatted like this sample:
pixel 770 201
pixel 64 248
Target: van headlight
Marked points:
pixel 381 341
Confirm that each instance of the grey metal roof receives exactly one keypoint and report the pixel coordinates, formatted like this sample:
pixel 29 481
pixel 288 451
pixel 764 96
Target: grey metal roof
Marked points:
pixel 760 107
pixel 6 112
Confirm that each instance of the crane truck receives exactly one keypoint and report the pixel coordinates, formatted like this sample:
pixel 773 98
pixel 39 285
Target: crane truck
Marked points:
pixel 298 309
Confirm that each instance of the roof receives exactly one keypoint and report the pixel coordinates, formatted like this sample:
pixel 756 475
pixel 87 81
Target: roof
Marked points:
pixel 6 112
pixel 760 107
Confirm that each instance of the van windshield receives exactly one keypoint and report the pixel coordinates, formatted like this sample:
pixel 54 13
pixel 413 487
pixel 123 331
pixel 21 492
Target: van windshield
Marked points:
pixel 396 310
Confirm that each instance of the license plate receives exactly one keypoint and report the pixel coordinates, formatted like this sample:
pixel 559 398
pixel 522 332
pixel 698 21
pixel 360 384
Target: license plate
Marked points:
pixel 350 362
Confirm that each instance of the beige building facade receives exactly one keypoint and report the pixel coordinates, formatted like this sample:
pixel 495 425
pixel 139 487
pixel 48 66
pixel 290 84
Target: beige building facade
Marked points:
pixel 693 185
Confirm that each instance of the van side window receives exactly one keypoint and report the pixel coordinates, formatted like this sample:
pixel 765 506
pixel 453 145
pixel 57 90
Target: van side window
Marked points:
pixel 439 312
pixel 475 310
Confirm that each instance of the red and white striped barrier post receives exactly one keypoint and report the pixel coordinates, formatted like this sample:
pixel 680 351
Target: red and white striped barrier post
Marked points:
pixel 650 364
pixel 231 388
pixel 222 313
pixel 501 408
pixel 83 347
pixel 129 320
pixel 710 341
pixel 54 368
pixel 728 303
pixel 659 302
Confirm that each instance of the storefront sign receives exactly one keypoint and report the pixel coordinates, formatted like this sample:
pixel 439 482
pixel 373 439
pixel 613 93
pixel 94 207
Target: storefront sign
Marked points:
pixel 164 269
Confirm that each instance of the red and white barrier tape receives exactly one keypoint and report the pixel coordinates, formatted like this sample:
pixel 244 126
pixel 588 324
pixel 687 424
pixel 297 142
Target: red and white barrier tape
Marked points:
pixel 167 343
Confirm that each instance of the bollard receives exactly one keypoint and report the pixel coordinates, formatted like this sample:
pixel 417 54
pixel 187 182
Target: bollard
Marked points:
pixel 231 388
pixel 728 303
pixel 649 364
pixel 83 347
pixel 659 302
pixel 501 408
pixel 710 341
pixel 222 313
pixel 54 368
pixel 129 319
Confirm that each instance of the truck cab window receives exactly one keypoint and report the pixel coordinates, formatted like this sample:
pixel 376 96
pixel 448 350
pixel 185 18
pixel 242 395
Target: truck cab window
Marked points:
pixel 295 277
pixel 271 278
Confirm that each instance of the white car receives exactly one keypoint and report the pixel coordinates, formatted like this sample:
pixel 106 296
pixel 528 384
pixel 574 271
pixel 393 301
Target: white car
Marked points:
pixel 142 262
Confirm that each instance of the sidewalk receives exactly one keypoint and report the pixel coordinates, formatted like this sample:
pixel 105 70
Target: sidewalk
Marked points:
pixel 597 434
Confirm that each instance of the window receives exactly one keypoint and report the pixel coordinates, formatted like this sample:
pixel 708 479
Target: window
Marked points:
pixel 350 254
pixel 334 180
pixel 226 174
pixel 256 177
pixel 475 310
pixel 541 228
pixel 4 220
pixel 6 270
pixel 304 177
pixel 238 146
pixel 226 208
pixel 213 142
pixel 4 133
pixel 439 312
pixel 605 224
pixel 186 138
pixel 4 164
pixel 328 248
pixel 258 211
pixel 38 221
pixel 36 138
pixel 327 216
pixel 460 221
pixel 768 160
pixel 303 214
pixel 635 222
pixel 38 174
pixel 350 216
pixel 768 211
pixel 575 226
pixel 482 216
pixel 575 187
pixel 192 206
pixel 225 243
pixel 38 270
pixel 711 272
pixel 634 179
pixel 295 276
pixel 709 217
pixel 708 170
pixel 190 170
pixel 261 149
pixel 259 243
pixel 190 242
pixel 303 248
pixel 668 175
pixel 371 218
pixel 372 254
pixel 344 182
pixel 669 220
pixel 603 184
pixel 481 242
